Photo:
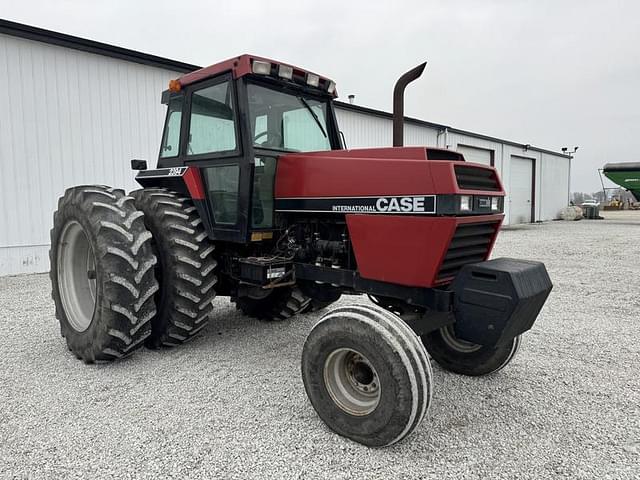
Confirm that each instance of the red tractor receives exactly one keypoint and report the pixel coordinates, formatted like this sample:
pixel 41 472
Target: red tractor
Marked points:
pixel 256 198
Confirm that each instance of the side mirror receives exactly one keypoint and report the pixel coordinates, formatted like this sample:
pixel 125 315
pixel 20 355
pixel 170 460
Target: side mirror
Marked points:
pixel 138 164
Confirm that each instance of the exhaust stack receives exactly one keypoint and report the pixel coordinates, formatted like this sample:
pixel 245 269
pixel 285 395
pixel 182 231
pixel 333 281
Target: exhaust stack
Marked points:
pixel 398 102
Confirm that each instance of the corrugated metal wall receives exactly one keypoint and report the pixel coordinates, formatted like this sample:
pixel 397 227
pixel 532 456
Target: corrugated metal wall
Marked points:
pixel 66 117
pixel 553 185
pixel 365 130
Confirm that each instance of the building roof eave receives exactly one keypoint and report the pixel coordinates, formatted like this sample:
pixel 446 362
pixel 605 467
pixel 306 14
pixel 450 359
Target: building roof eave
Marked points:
pixel 69 41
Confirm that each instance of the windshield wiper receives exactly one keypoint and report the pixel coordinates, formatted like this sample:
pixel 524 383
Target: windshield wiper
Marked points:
pixel 313 114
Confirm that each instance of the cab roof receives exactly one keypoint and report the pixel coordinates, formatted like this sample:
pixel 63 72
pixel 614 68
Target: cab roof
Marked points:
pixel 243 65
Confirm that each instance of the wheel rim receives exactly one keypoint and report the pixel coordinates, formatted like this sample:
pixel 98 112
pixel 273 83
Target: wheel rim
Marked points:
pixel 453 342
pixel 352 382
pixel 76 266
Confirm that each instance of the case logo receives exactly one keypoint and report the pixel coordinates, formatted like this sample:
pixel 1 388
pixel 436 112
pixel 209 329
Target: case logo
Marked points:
pixel 408 204
pixel 401 204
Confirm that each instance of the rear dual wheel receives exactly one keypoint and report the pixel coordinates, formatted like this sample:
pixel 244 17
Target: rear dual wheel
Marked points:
pixel 367 375
pixel 185 269
pixel 101 273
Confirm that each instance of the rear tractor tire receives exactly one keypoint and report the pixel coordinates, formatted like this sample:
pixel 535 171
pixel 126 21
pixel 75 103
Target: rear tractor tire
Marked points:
pixel 466 358
pixel 279 304
pixel 367 374
pixel 185 269
pixel 101 273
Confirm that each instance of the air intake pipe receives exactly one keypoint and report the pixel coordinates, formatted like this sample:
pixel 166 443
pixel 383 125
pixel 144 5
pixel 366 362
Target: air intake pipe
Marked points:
pixel 398 102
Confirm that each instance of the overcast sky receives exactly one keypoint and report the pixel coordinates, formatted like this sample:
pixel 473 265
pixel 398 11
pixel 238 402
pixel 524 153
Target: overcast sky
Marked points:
pixel 549 73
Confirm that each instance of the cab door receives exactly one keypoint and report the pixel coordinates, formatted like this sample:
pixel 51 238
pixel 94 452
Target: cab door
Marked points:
pixel 212 142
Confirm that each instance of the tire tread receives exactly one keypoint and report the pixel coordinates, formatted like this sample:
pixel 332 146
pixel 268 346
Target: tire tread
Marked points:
pixel 124 303
pixel 185 264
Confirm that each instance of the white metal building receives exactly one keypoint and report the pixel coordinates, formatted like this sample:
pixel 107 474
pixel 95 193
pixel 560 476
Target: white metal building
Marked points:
pixel 74 111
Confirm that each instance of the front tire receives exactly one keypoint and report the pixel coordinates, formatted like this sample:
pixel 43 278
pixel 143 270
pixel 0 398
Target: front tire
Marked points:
pixel 101 273
pixel 466 358
pixel 367 375
pixel 185 270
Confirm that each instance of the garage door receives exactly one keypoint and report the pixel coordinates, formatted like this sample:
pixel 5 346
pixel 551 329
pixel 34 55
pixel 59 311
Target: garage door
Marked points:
pixel 476 155
pixel 520 190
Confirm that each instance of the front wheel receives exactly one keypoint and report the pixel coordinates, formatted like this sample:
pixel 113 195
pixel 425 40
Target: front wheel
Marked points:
pixel 367 375
pixel 467 358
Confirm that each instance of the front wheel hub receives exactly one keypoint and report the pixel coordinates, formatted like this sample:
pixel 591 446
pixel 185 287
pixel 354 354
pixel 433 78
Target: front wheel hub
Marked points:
pixel 352 381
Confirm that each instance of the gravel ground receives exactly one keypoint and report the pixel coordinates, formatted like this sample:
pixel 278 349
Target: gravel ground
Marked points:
pixel 231 404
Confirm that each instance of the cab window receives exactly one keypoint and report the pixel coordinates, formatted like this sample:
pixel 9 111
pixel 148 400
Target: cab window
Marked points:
pixel 262 200
pixel 171 137
pixel 222 185
pixel 212 127
pixel 288 121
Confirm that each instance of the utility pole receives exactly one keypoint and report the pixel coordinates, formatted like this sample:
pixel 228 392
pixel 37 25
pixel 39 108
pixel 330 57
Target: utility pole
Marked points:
pixel 565 151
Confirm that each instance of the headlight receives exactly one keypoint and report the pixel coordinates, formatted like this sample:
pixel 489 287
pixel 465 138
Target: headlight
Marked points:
pixel 313 80
pixel 466 203
pixel 261 68
pixel 285 71
pixel 495 203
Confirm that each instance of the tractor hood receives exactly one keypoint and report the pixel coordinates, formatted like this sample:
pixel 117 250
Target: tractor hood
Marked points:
pixel 398 171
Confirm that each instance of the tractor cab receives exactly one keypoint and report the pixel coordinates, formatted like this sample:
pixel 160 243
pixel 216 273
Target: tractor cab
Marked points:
pixel 232 120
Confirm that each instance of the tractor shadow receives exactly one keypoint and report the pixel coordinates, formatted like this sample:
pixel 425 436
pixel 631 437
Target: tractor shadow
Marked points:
pixel 231 334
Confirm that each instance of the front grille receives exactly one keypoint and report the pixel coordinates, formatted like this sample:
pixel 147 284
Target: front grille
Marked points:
pixel 474 178
pixel 470 244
